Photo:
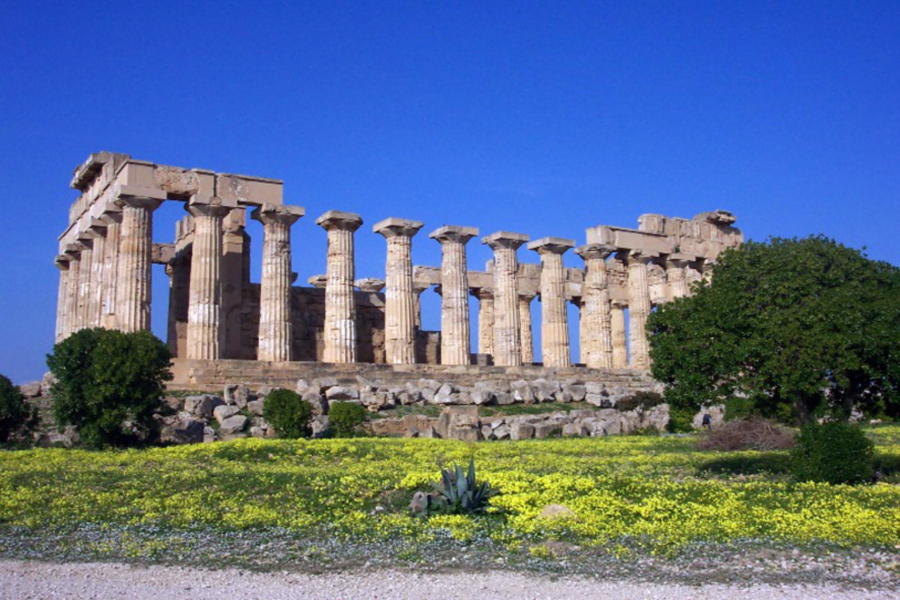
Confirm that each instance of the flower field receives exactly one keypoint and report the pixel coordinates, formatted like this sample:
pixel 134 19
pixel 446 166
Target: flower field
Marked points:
pixel 657 494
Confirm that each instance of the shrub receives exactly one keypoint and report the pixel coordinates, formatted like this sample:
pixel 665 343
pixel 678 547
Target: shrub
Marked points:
pixel 680 420
pixel 15 414
pixel 833 452
pixel 288 413
pixel 109 384
pixel 747 434
pixel 344 418
pixel 640 400
pixel 737 407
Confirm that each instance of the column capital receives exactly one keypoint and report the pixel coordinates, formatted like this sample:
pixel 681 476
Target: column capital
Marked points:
pixel 209 206
pixel 397 227
pixel 504 239
pixel 74 249
pixel 336 219
pixel 551 245
pixel 419 287
pixel 529 296
pixel 453 233
pixel 482 293
pixel 61 261
pixel 369 284
pixel 618 303
pixel 138 196
pixel 97 227
pixel 285 214
pixel 635 256
pixel 591 251
pixel 111 216
pixel 318 281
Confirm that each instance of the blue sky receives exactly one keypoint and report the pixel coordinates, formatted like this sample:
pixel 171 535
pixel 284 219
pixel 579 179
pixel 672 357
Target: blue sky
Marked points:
pixel 544 118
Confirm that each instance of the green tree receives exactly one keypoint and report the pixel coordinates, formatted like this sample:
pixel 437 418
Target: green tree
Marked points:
pixel 15 414
pixel 794 327
pixel 288 414
pixel 109 384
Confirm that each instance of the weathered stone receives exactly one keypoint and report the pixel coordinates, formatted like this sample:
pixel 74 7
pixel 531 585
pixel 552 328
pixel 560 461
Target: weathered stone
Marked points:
pixel 573 429
pixel 343 393
pixel 255 407
pixel 232 424
pixel 209 435
pixel 521 391
pixel 257 431
pixel 521 431
pixel 183 431
pixel 544 390
pixel 31 390
pixel 319 426
pixel 503 398
pixel 237 394
pixel 303 386
pixel 716 413
pixel 501 432
pixel 556 511
pixel 444 395
pixel 202 406
pixel 545 430
pixel 225 411
pixel 578 391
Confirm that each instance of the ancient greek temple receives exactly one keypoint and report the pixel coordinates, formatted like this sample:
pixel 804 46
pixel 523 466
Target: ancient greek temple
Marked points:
pixel 216 313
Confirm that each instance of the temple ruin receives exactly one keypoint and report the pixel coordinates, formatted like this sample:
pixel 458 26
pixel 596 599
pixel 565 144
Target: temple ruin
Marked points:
pixel 217 316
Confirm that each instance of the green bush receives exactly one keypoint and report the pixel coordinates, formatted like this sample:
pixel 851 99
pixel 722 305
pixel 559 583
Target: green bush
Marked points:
pixel 642 400
pixel 344 418
pixel 737 407
pixel 109 385
pixel 834 452
pixel 288 413
pixel 15 414
pixel 680 420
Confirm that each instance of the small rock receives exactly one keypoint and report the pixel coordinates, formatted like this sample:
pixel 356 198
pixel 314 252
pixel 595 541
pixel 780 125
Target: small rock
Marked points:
pixel 556 511
pixel 225 411
pixel 232 425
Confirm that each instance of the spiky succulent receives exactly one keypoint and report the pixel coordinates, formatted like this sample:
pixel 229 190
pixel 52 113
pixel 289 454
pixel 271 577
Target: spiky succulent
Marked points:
pixel 459 493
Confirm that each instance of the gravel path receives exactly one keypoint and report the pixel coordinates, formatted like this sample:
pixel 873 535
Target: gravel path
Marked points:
pixel 30 580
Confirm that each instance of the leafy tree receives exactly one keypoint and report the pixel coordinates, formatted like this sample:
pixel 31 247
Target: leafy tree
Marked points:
pixel 288 413
pixel 109 384
pixel 794 327
pixel 15 414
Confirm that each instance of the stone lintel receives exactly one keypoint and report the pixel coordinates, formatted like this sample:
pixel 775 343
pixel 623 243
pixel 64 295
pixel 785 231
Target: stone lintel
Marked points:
pixel 551 244
pixel 97 226
pixel 594 251
pixel 640 254
pixel 337 219
pixel 318 281
pixel 397 226
pixel 122 192
pixel 85 173
pixel 454 232
pixel 630 239
pixel 287 212
pixel 504 239
pixel 369 284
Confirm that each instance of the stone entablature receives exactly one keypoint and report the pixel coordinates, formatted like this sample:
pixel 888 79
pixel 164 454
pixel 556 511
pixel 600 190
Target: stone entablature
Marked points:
pixel 216 313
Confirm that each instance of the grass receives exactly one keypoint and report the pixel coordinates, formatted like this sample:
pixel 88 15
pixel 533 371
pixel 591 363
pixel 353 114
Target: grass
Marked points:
pixel 333 500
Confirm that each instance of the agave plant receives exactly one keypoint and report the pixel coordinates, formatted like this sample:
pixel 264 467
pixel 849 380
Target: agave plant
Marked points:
pixel 458 492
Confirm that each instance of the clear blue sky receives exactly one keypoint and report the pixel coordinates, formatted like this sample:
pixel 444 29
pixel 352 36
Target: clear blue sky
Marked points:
pixel 532 117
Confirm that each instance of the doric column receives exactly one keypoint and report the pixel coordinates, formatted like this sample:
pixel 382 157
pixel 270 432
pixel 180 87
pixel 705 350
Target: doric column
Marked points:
pixel 554 320
pixel 340 307
pixel 596 325
pixel 485 320
pixel 85 280
pixel 676 282
pixel 507 325
pixel 400 298
pixel 275 325
pixel 455 330
pixel 62 262
pixel 638 308
pixel 73 288
pixel 525 324
pixel 418 288
pixel 113 221
pixel 133 268
pixel 204 331
pixel 692 275
pixel 617 333
pixel 98 272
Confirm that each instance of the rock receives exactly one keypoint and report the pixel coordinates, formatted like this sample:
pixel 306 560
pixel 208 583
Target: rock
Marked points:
pixel 31 389
pixel 544 391
pixel 237 394
pixel 521 431
pixel 521 391
pixel 318 403
pixel 546 430
pixel 444 395
pixel 321 383
pixel 466 434
pixel 657 417
pixel 202 406
pixel 173 403
pixel 556 511
pixel 563 395
pixel 480 397
pixel 463 397
pixel 573 429
pixel 578 391
pixel 716 412
pixel 421 502
pixel 224 411
pixel 256 407
pixel 303 386
pixel 183 431
pixel 209 434
pixel 257 431
pixel 501 432
pixel 319 426
pixel 232 424
pixel 341 393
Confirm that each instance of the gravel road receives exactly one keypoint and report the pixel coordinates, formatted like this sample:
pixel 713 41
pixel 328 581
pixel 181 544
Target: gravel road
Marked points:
pixel 30 580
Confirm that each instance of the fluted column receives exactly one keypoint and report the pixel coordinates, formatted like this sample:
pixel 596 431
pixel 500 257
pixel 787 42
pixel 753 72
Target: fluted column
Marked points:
pixel 485 320
pixel 204 331
pixel 340 306
pixel 597 346
pixel 675 278
pixel 555 350
pixel 62 262
pixel 455 329
pixel 400 297
pixel 617 335
pixel 85 280
pixel 638 309
pixel 73 287
pixel 525 324
pixel 109 278
pixel 275 325
pixel 133 268
pixel 98 272
pixel 507 325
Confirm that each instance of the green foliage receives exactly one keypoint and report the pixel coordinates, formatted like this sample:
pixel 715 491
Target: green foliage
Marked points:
pixel 797 327
pixel 681 419
pixel 288 413
pixel 15 414
pixel 640 400
pixel 109 384
pixel 344 418
pixel 833 452
pixel 459 493
pixel 737 408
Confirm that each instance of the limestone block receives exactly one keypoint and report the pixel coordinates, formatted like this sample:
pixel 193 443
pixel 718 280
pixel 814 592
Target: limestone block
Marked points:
pixel 319 426
pixel 183 431
pixel 232 425
pixel 546 430
pixel 315 399
pixel 444 395
pixel 521 391
pixel 341 393
pixel 573 429
pixel 303 386
pixel 209 435
pixel 237 394
pixel 257 431
pixel 657 417
pixel 255 407
pixel 224 412
pixel 521 431
pixel 544 390
pixel 504 398
pixel 578 391
pixel 202 406
pixel 501 432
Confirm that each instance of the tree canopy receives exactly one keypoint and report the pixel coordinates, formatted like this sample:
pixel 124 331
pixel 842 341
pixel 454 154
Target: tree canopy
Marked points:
pixel 794 327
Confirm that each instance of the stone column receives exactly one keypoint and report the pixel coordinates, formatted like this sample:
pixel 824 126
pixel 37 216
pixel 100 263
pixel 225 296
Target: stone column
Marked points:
pixel 73 288
pixel 554 319
pixel 707 270
pixel 133 268
pixel 525 323
pixel 85 280
pixel 507 325
pixel 204 331
pixel 418 288
pixel 455 330
pixel 597 346
pixel 676 282
pixel 98 272
pixel 340 307
pixel 692 274
pixel 113 221
pixel 485 320
pixel 400 297
pixel 638 308
pixel 275 325
pixel 62 262
pixel 617 335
